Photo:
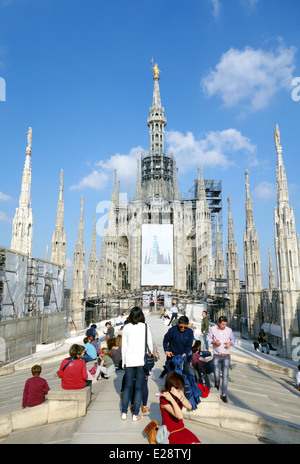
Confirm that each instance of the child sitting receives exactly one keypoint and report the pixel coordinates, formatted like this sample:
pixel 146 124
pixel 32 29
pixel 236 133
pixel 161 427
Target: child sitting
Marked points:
pixel 90 351
pixel 107 367
pixel 35 389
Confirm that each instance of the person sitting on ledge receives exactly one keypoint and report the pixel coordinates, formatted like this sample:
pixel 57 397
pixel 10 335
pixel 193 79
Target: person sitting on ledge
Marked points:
pixel 73 370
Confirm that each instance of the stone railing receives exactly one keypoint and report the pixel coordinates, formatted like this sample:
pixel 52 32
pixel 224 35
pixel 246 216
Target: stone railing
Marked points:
pixel 61 405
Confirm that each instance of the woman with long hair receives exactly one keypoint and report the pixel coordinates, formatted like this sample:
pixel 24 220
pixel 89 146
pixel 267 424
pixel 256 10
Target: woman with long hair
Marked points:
pixel 171 402
pixel 133 353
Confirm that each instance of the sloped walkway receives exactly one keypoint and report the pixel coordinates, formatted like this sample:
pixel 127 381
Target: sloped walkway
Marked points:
pixel 266 392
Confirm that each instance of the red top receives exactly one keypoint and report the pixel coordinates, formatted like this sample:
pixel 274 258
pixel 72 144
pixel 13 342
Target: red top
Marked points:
pixel 178 433
pixel 74 375
pixel 34 391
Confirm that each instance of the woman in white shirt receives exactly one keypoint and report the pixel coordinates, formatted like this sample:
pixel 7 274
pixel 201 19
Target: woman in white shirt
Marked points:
pixel 133 353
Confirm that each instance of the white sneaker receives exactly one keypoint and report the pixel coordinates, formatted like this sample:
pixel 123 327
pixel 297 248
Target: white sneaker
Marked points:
pixel 137 418
pixel 123 416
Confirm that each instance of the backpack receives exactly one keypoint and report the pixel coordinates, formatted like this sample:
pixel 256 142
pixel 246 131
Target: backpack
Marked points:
pixel 191 389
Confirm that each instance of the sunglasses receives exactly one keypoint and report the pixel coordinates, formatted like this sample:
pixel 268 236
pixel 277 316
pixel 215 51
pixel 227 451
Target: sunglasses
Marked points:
pixel 182 326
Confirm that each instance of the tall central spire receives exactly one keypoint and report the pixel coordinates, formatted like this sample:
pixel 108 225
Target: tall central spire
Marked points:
pixel 156 120
pixel 157 166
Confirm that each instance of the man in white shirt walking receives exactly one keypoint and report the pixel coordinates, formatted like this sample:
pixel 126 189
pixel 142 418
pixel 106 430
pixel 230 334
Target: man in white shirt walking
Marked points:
pixel 222 338
pixel 174 313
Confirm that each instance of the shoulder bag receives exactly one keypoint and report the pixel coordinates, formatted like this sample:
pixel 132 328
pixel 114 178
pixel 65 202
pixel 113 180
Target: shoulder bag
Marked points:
pixel 148 358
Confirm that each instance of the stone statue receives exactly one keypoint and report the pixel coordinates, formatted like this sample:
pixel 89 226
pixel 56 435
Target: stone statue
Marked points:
pixel 277 137
pixel 29 138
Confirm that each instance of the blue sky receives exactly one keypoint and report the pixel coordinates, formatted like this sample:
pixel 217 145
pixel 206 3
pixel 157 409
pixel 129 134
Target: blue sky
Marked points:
pixel 79 73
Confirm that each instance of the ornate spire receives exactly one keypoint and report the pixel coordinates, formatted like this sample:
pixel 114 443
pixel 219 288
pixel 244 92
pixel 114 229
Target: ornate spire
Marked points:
pixel 23 221
pixel 156 120
pixel 249 206
pixel 287 254
pixel 201 185
pixel 232 263
pixel 114 197
pixel 81 223
pixel 78 282
pixel 282 189
pixel 58 245
pixel 92 283
pixel 252 265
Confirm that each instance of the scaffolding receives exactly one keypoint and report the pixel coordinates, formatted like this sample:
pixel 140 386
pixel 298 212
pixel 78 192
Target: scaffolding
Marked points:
pixel 213 192
pixel 157 165
pixel 29 286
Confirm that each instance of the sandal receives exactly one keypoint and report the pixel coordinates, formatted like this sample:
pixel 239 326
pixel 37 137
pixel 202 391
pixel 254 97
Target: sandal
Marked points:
pixel 145 409
pixel 137 418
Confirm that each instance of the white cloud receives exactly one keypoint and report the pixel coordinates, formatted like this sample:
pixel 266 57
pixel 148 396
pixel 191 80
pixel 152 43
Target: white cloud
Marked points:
pixel 4 197
pixel 265 191
pixel 251 4
pixel 251 77
pixel 216 8
pixel 96 180
pixel 4 218
pixel 126 166
pixel 212 150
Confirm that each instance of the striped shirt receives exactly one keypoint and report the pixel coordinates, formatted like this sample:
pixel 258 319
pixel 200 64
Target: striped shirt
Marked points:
pixel 223 336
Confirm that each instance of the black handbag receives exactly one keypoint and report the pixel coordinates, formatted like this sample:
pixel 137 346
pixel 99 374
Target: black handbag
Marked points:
pixel 148 358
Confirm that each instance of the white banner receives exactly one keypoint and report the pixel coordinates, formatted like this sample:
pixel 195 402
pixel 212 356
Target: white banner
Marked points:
pixel 157 254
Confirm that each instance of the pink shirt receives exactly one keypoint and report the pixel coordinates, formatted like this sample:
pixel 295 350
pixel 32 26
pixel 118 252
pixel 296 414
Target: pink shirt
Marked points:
pixel 223 336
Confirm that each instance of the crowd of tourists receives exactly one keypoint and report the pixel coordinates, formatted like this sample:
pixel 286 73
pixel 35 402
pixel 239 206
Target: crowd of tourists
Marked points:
pixel 187 364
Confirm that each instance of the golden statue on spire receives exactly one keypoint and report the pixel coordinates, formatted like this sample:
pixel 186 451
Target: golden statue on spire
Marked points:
pixel 156 71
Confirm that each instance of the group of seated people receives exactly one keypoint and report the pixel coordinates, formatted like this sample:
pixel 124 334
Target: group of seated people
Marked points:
pixel 73 370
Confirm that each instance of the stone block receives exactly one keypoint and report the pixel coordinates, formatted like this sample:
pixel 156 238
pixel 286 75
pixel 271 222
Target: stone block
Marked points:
pixel 238 419
pixel 68 404
pixel 5 425
pixel 7 370
pixel 207 411
pixel 30 417
pixel 278 431
pixel 62 410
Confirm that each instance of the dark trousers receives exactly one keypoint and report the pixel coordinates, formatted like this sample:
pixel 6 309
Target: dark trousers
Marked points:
pixel 174 316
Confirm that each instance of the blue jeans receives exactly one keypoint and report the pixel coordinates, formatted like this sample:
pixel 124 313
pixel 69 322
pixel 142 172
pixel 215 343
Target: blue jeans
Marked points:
pixel 262 346
pixel 88 358
pixel 205 340
pixel 222 363
pixel 138 374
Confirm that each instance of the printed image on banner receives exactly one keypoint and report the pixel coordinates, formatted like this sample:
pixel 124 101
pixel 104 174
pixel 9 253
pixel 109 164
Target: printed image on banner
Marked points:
pixel 157 254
